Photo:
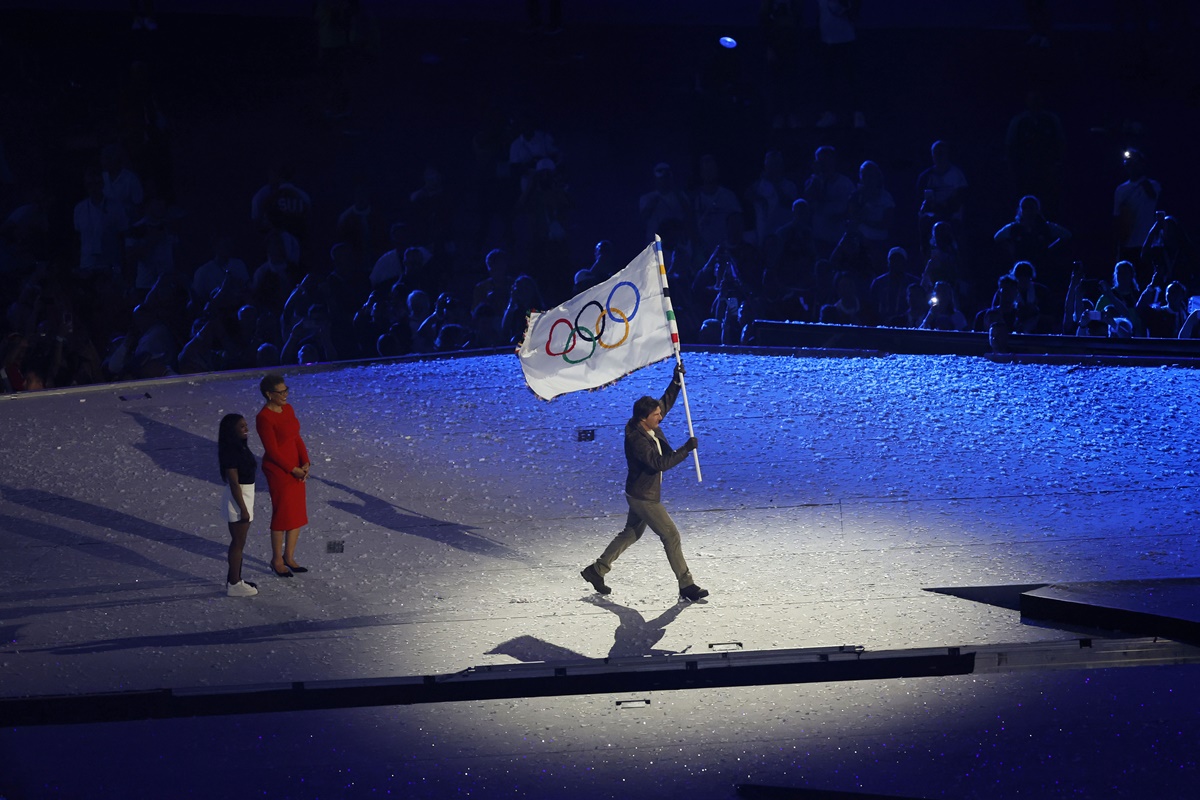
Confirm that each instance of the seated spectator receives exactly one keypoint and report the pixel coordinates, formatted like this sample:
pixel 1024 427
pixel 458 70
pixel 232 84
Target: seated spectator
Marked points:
pixel 1031 237
pixel 703 290
pixel 25 235
pixel 665 202
pixel 165 304
pixel 314 332
pixel 529 148
pixel 121 184
pixel 447 310
pixel 272 282
pixel 943 314
pixel 1031 303
pixel 371 321
pixel 872 210
pixel 495 287
pixel 419 305
pixel 945 260
pixel 201 353
pixel 281 205
pixel 1081 317
pixel 150 246
pixel 848 308
pixel 942 191
pixel 389 267
pixel 544 206
pixel 155 354
pixel 212 273
pixel 1170 252
pixel 888 295
pixel 485 322
pixel 42 362
pixel 310 292
pixel 828 194
pixel 851 256
pixel 101 224
pixel 266 356
pixel 603 267
pixel 252 329
pixel 739 298
pixel 790 254
pixel 419 269
pixel 24 313
pixel 78 362
pixel 1003 310
pixel 12 358
pixel 524 298
pixel 452 336
pixel 916 307
pixel 771 196
pixel 432 210
pixel 1163 310
pixel 1118 300
pixel 711 204
pixel 396 341
pixel 356 226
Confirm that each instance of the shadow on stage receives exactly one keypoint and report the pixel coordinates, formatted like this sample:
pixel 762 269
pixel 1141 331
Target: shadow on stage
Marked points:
pixel 292 631
pixel 378 511
pixel 175 450
pixel 635 637
pixel 48 503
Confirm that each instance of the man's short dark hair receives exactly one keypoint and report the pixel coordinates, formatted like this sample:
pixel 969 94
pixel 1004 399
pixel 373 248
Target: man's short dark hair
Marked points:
pixel 644 407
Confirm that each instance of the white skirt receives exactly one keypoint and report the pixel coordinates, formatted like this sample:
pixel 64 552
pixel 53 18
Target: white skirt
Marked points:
pixel 232 512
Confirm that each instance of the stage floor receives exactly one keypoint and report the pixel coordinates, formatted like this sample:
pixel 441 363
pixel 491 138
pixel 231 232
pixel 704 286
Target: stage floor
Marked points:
pixel 450 512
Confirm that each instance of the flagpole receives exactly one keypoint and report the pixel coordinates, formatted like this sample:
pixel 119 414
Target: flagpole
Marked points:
pixel 670 310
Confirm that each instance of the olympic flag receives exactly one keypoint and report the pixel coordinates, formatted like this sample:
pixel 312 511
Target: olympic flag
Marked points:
pixel 601 334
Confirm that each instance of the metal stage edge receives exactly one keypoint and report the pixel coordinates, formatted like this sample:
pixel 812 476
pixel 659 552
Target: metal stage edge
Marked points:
pixel 598 676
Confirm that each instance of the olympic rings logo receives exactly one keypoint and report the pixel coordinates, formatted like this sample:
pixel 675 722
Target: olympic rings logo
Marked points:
pixel 594 335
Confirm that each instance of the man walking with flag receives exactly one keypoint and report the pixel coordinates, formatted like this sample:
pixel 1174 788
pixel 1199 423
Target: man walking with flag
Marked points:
pixel 648 455
pixel 597 337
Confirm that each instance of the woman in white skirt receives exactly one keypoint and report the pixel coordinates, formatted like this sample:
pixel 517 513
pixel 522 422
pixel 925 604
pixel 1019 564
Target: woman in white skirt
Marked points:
pixel 238 470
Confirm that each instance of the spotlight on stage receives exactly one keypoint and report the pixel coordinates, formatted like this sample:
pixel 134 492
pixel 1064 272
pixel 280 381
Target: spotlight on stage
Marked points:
pixel 728 42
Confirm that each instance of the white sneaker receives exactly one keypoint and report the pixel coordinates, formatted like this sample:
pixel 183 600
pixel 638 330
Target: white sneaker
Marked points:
pixel 827 120
pixel 860 119
pixel 240 589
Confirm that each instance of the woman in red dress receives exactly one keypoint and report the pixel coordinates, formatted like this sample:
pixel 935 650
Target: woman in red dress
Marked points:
pixel 285 465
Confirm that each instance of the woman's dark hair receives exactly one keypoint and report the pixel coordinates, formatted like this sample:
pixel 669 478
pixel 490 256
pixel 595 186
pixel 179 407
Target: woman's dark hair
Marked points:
pixel 268 383
pixel 228 440
pixel 644 407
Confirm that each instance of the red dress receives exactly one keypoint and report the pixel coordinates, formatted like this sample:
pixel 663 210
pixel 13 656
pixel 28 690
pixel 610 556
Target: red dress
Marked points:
pixel 284 451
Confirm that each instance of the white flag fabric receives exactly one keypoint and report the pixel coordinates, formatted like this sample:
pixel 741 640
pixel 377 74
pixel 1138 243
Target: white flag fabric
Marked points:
pixel 601 334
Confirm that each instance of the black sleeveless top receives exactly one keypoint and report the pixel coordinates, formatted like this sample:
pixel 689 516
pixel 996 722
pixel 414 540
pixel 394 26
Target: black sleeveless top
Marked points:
pixel 240 458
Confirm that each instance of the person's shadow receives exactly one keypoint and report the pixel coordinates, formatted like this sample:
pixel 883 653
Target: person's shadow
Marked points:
pixel 634 637
pixel 57 537
pixel 292 630
pixel 378 511
pixel 48 503
pixel 176 450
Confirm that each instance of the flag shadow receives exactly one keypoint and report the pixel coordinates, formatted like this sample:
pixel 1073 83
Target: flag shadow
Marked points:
pixel 635 637
pixel 378 511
